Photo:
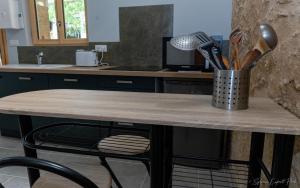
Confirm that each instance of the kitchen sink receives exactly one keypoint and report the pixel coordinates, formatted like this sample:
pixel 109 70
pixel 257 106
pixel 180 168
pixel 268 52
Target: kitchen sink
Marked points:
pixel 48 66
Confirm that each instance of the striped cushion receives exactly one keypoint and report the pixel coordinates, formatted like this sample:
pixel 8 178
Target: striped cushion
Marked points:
pixel 99 175
pixel 124 144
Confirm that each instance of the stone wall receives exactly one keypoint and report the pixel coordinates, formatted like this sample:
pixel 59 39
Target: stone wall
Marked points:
pixel 278 74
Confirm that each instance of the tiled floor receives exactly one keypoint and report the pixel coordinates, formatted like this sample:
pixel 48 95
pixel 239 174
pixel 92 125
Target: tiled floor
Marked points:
pixel 131 174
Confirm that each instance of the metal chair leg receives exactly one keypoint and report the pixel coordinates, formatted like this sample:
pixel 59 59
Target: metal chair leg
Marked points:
pixel 114 177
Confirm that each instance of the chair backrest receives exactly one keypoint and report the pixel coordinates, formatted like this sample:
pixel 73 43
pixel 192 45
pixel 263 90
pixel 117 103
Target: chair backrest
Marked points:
pixel 50 167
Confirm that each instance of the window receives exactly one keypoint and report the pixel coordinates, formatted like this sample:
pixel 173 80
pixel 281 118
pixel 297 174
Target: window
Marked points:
pixel 58 22
pixel 3 48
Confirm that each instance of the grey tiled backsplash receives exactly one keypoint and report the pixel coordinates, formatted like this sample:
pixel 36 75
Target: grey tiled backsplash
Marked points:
pixel 53 54
pixel 141 32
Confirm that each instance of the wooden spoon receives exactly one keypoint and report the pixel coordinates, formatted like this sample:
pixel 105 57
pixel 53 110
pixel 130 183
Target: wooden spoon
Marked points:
pixel 226 62
pixel 266 43
pixel 233 52
pixel 235 38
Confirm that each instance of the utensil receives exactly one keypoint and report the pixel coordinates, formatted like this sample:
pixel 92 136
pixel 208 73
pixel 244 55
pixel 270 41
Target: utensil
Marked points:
pixel 217 56
pixel 199 41
pixel 236 43
pixel 214 51
pixel 206 55
pixel 185 42
pixel 235 39
pixel 267 42
pixel 226 62
pixel 232 51
pixel 206 44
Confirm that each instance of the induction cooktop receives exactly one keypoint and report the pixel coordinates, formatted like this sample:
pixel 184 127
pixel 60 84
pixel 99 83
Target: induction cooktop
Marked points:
pixel 135 68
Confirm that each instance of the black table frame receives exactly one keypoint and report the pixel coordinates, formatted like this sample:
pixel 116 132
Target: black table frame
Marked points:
pixel 161 157
pixel 283 150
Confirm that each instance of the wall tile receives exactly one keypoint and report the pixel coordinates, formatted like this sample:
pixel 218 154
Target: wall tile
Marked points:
pixel 141 32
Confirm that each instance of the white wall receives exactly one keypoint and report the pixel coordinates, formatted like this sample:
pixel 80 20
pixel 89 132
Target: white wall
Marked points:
pixel 211 16
pixel 19 37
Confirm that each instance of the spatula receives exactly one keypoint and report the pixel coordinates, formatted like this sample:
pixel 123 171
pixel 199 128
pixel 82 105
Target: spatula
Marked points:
pixel 212 49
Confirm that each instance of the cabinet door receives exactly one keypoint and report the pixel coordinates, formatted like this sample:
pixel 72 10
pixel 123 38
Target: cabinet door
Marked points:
pixel 13 83
pixel 134 84
pixel 30 82
pixel 70 136
pixel 188 86
pixel 72 82
pixel 8 122
pixel 121 83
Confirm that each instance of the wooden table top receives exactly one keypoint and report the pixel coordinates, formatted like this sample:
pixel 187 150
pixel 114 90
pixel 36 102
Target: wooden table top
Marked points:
pixel 180 110
pixel 102 71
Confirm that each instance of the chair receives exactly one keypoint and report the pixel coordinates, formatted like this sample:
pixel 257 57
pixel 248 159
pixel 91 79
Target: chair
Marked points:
pixel 124 144
pixel 58 176
pixel 120 145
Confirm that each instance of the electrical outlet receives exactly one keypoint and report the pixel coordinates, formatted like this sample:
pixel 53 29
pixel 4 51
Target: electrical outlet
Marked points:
pixel 101 48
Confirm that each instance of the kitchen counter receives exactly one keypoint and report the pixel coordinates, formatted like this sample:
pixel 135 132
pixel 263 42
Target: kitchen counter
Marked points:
pixel 194 111
pixel 69 69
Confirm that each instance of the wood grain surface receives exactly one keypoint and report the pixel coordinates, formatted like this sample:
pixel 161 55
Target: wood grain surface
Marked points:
pixel 180 110
pixel 104 72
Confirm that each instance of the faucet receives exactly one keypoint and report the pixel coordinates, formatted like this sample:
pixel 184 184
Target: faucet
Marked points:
pixel 40 57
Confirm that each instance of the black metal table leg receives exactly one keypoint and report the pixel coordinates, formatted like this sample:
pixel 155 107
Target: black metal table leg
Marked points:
pixel 256 154
pixel 282 161
pixel 25 127
pixel 168 156
pixel 157 156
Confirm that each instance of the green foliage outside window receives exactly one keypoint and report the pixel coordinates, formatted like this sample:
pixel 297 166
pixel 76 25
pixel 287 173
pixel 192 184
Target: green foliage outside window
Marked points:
pixel 74 11
pixel 74 15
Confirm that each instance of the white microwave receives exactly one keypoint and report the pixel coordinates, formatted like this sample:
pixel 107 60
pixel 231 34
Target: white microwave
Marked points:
pixel 86 58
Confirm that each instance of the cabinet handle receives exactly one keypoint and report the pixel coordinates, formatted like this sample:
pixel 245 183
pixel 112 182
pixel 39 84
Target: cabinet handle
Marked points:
pixel 125 124
pixel 70 80
pixel 25 78
pixel 124 82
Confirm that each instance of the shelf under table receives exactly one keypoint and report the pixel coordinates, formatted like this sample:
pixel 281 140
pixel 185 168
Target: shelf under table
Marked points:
pixel 230 175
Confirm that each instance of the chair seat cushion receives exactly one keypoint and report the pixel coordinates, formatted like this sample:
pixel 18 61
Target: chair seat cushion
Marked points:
pixel 99 175
pixel 124 144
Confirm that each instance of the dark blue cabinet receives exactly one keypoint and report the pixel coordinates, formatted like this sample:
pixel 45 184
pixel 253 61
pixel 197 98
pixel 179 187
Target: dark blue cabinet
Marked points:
pixel 12 83
pixel 121 83
pixel 71 136
pixel 73 82
pixel 5 88
pixel 113 83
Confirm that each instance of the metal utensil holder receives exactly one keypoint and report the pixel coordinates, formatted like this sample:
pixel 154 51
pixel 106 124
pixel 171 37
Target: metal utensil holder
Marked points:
pixel 231 89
